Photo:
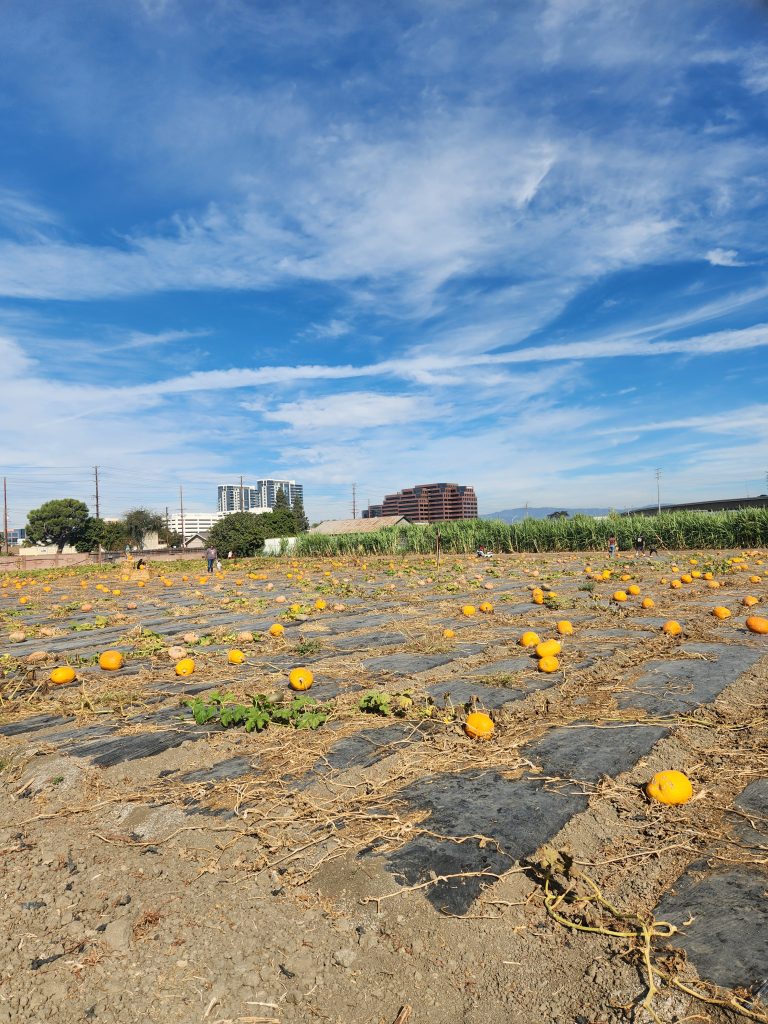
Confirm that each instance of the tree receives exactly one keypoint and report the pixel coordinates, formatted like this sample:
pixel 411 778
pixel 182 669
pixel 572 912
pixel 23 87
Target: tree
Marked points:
pixel 60 522
pixel 281 500
pixel 92 535
pixel 139 522
pixel 113 536
pixel 239 532
pixel 299 515
pixel 280 523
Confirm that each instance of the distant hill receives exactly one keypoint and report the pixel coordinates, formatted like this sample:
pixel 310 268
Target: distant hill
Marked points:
pixel 514 515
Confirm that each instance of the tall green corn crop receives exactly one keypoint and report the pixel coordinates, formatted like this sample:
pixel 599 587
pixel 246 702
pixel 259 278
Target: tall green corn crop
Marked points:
pixel 745 528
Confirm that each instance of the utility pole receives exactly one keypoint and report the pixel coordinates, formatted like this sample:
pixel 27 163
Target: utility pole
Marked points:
pixel 95 478
pixel 181 510
pixel 354 501
pixel 242 506
pixel 658 492
pixel 526 510
pixel 98 506
pixel 5 514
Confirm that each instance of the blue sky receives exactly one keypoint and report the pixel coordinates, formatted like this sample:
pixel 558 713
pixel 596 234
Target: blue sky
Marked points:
pixel 520 246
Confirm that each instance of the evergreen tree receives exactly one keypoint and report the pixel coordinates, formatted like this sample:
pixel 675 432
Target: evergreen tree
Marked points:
pixel 60 522
pixel 242 533
pixel 281 500
pixel 139 522
pixel 299 515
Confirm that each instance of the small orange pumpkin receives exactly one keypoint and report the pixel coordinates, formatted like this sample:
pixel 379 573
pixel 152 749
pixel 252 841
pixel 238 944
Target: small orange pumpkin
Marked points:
pixel 529 639
pixel 721 613
pixel 549 663
pixel 670 787
pixel 276 629
pixel 672 628
pixel 300 678
pixel 110 661
pixel 548 648
pixel 757 624
pixel 185 667
pixel 479 726
pixel 64 674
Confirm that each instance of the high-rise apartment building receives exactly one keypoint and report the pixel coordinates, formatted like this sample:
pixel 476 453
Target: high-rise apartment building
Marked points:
pixel 432 503
pixel 234 498
pixel 268 491
pixel 261 495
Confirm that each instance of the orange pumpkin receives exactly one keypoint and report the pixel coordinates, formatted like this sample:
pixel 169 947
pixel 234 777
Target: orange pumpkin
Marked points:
pixel 479 726
pixel 529 639
pixel 110 661
pixel 672 628
pixel 548 648
pixel 300 678
pixel 757 624
pixel 564 628
pixel 486 608
pixel 276 629
pixel 670 787
pixel 721 613
pixel 65 674
pixel 549 663
pixel 235 657
pixel 185 667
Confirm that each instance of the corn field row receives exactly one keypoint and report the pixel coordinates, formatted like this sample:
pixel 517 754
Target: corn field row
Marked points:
pixel 745 528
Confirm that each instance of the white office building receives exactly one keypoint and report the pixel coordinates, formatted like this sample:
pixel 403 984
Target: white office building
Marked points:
pixel 260 496
pixel 201 522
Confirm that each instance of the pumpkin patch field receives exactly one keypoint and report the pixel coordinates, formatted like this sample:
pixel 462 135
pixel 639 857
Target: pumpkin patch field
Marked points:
pixel 371 788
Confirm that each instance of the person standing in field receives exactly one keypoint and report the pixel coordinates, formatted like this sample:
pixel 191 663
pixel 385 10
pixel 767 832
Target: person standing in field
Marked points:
pixel 210 554
pixel 612 546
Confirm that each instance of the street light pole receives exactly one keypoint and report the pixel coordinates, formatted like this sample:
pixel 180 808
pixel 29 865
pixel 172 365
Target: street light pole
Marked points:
pixel 658 492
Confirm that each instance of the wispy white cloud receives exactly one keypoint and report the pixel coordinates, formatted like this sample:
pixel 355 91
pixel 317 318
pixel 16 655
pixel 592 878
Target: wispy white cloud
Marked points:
pixel 725 258
pixel 353 411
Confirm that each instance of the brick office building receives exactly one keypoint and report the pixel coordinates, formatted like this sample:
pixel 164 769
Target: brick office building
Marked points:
pixel 432 503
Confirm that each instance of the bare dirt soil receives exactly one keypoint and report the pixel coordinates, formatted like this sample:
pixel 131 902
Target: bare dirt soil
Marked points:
pixel 385 867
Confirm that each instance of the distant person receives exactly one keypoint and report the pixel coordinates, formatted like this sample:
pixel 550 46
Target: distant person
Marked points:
pixel 639 545
pixel 210 554
pixel 612 546
pixel 231 554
